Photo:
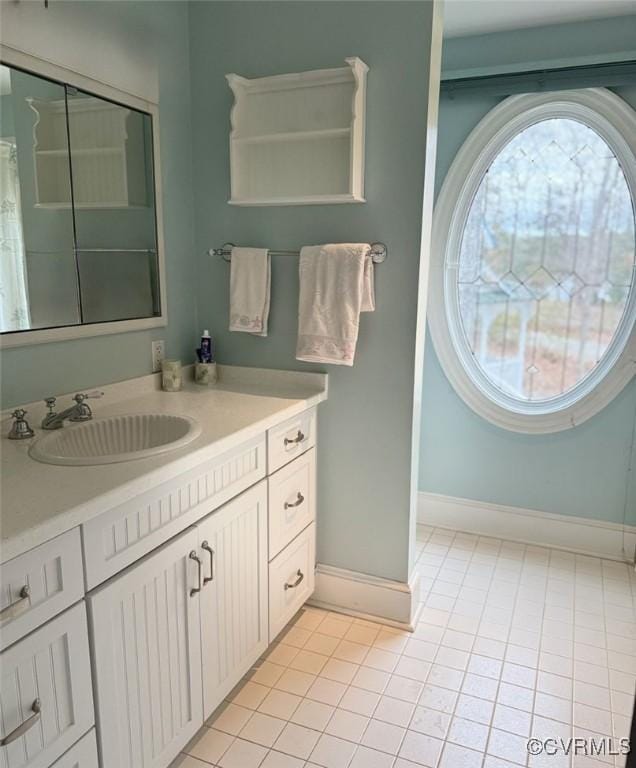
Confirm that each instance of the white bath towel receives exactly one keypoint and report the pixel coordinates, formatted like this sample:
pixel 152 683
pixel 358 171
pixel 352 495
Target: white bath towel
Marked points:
pixel 250 279
pixel 336 284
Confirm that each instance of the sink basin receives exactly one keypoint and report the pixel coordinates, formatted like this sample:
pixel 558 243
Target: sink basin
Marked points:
pixel 115 439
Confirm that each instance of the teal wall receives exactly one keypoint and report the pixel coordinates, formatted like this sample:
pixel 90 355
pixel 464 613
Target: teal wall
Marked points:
pixel 366 425
pixel 131 45
pixel 558 45
pixel 583 471
pixel 366 502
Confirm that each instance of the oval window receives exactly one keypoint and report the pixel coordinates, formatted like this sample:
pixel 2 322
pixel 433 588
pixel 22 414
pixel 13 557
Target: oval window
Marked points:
pixel 539 260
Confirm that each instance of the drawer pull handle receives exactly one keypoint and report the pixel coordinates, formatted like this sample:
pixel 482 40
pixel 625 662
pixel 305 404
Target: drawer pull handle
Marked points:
pixel 208 548
pixel 17 606
pixel 193 556
pixel 25 726
pixel 294 440
pixel 300 575
pixel 299 500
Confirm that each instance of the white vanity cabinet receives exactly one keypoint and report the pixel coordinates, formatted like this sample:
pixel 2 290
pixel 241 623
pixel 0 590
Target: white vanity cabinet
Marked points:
pixel 178 591
pixel 177 631
pixel 145 627
pixel 233 600
pixel 291 458
pixel 116 539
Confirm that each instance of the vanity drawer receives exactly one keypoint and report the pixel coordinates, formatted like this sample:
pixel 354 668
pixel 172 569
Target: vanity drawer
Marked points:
pixel 82 755
pixel 292 501
pixel 45 687
pixel 122 535
pixel 290 439
pixel 291 579
pixel 39 584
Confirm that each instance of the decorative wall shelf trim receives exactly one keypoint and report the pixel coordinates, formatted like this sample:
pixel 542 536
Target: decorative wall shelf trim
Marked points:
pixel 298 139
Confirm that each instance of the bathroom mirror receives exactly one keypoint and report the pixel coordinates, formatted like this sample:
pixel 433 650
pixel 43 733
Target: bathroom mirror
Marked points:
pixel 79 244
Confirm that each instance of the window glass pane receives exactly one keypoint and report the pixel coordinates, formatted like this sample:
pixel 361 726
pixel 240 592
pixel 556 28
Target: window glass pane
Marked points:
pixel 546 260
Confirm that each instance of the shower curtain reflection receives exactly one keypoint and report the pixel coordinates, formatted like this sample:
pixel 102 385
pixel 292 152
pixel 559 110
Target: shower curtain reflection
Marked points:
pixel 14 301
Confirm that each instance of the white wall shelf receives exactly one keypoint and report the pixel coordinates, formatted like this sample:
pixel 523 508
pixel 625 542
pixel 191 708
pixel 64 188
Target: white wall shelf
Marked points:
pixel 104 140
pixel 298 139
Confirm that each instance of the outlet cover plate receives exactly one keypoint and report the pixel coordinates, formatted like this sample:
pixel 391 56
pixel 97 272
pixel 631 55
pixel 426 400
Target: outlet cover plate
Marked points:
pixel 158 354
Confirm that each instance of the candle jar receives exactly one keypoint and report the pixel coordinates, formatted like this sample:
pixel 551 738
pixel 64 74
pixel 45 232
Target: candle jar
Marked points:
pixel 171 378
pixel 205 373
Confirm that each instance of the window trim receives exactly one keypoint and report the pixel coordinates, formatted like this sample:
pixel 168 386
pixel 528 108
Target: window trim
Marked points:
pixel 615 121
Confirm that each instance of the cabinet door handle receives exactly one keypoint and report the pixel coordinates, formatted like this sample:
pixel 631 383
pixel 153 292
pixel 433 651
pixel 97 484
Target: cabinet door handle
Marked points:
pixel 17 606
pixel 193 556
pixel 300 576
pixel 299 500
pixel 25 726
pixel 210 551
pixel 294 440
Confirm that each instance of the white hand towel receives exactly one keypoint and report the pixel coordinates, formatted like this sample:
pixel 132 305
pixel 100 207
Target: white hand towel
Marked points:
pixel 250 279
pixel 336 284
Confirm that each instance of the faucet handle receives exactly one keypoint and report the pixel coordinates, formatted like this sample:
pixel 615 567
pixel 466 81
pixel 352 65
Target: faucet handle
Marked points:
pixel 80 396
pixel 20 429
pixel 82 411
pixel 50 403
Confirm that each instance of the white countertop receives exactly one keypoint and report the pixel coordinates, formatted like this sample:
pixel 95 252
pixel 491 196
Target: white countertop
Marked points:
pixel 40 501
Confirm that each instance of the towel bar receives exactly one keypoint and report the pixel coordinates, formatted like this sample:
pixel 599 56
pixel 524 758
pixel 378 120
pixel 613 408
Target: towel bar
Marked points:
pixel 378 252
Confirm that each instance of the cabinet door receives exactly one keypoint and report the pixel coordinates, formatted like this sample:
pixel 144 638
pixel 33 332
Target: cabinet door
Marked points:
pixel 147 658
pixel 234 616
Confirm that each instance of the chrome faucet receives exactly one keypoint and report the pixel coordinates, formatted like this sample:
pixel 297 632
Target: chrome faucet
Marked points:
pixel 78 412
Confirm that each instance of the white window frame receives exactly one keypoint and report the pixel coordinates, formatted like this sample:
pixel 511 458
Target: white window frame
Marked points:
pixel 615 121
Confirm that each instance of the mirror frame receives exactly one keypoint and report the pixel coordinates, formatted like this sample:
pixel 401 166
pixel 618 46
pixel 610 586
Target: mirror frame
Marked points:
pixel 42 68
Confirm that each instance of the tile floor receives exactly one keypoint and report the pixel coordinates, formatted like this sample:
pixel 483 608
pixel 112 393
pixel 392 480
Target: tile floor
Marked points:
pixel 513 641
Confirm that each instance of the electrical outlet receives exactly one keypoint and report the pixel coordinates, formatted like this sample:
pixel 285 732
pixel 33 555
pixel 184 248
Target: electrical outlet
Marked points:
pixel 158 353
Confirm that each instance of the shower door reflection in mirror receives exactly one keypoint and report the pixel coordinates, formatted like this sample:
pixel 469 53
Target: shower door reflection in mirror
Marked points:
pixel 78 229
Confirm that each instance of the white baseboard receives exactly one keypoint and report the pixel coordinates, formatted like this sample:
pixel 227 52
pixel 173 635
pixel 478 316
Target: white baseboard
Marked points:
pixel 395 603
pixel 575 534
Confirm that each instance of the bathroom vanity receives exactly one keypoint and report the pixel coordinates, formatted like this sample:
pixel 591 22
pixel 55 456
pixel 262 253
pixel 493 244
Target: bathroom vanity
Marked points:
pixel 134 596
